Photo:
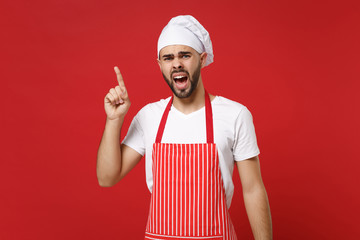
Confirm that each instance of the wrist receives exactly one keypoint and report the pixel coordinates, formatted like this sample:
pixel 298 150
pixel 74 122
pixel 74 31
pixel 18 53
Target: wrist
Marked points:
pixel 115 122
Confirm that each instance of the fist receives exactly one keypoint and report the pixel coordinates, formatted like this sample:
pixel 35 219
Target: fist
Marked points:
pixel 117 101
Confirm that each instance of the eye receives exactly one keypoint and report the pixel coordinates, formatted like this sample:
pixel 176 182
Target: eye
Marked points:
pixel 186 56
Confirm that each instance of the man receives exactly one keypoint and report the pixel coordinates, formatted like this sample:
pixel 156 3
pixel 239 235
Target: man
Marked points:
pixel 190 142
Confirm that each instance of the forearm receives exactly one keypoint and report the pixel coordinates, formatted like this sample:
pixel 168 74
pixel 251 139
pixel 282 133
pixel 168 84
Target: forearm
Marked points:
pixel 258 211
pixel 109 154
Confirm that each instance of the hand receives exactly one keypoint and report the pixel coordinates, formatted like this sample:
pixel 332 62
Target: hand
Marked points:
pixel 117 101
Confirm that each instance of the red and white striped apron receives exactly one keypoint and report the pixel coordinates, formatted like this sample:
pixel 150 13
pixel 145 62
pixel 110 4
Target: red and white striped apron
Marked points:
pixel 188 197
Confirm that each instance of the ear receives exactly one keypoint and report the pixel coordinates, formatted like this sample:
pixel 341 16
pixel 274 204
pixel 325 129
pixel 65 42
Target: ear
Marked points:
pixel 158 58
pixel 203 57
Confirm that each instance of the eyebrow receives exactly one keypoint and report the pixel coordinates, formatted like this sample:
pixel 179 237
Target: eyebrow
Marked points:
pixel 179 53
pixel 184 53
pixel 167 55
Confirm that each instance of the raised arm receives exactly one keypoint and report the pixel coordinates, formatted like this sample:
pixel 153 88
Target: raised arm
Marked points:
pixel 255 198
pixel 115 161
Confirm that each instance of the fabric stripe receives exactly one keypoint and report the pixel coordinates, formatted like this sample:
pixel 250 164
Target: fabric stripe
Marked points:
pixel 202 190
pixel 164 206
pixel 185 186
pixel 172 192
pixel 211 191
pixel 168 190
pixel 181 190
pixel 189 196
pixel 176 191
pixel 198 197
pixel 194 189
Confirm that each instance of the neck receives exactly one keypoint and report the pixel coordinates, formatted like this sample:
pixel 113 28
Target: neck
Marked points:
pixel 192 103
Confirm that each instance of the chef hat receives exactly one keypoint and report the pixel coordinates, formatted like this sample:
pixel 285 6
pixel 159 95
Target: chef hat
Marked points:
pixel 186 30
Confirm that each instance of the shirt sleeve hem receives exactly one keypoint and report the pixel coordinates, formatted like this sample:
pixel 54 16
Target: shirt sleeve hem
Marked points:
pixel 135 148
pixel 247 156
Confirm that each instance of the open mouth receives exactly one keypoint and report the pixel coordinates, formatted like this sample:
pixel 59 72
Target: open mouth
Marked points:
pixel 181 80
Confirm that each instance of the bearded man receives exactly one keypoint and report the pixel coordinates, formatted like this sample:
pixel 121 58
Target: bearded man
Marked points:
pixel 191 142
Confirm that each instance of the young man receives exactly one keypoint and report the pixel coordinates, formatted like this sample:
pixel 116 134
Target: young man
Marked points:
pixel 191 142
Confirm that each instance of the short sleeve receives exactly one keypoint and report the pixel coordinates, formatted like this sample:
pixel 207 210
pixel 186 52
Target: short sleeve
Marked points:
pixel 135 137
pixel 245 144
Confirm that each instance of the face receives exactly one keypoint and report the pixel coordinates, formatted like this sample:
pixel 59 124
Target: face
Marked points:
pixel 180 66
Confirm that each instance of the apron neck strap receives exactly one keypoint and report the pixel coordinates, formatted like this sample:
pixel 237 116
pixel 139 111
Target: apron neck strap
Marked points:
pixel 208 117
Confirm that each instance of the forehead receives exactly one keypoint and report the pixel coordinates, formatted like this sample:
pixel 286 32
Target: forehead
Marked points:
pixel 174 49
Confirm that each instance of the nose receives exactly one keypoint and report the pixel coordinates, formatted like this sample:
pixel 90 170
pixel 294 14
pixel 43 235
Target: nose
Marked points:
pixel 177 64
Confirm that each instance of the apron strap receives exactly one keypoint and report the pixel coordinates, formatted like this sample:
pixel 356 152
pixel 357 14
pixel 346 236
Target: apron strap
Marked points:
pixel 208 117
pixel 163 122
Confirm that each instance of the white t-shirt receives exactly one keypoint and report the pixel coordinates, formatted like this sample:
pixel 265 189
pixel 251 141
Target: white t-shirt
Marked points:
pixel 234 134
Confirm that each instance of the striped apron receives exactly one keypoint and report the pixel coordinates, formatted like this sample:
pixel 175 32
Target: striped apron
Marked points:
pixel 188 196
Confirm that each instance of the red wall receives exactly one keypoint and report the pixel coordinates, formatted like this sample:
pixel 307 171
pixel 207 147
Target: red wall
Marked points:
pixel 294 64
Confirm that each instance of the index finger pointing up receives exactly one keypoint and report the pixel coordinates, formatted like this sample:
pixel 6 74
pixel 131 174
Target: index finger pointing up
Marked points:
pixel 119 77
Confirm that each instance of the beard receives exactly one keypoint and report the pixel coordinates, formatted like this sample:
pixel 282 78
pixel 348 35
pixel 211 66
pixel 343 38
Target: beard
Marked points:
pixel 193 80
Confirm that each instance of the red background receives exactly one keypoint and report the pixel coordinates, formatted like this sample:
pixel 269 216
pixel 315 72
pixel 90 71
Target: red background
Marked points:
pixel 294 64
